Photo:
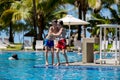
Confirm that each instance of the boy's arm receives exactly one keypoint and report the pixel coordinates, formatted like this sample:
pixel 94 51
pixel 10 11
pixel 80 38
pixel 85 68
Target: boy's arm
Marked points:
pixel 59 33
pixel 50 30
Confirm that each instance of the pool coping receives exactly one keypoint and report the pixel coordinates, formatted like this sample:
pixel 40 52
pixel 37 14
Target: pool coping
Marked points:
pixel 91 64
pixel 72 63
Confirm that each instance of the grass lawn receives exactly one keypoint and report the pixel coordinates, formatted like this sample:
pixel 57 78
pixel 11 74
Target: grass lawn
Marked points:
pixel 15 48
pixel 97 47
pixel 18 47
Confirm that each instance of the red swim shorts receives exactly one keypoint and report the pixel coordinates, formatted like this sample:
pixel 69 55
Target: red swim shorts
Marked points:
pixel 61 44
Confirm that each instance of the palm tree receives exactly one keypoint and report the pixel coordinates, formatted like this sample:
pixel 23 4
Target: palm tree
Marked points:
pixel 10 23
pixel 83 6
pixel 23 10
pixel 4 5
pixel 11 15
pixel 44 9
pixel 106 4
pixel 42 13
pixel 95 5
pixel 98 19
pixel 34 23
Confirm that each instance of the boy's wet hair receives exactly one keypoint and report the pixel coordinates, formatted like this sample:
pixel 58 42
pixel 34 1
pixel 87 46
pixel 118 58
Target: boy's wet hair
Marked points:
pixel 15 56
pixel 61 22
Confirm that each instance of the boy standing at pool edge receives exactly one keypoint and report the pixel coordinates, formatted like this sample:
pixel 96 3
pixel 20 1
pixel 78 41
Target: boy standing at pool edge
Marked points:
pixel 49 41
pixel 61 45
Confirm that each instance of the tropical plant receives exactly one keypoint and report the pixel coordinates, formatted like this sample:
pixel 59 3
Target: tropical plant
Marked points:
pixel 44 13
pixel 11 15
pixel 102 20
pixel 94 5
pixel 83 6
pixel 114 15
pixel 23 9
pixel 4 5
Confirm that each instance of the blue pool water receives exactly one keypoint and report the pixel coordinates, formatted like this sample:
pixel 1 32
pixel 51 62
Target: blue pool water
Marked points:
pixel 31 67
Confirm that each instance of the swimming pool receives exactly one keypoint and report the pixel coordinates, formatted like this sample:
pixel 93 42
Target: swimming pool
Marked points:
pixel 26 68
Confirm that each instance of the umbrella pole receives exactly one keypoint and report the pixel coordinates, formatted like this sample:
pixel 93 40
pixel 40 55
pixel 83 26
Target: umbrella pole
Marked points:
pixel 69 38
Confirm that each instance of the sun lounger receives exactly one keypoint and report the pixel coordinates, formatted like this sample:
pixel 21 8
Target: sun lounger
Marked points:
pixel 104 45
pixel 39 44
pixel 115 46
pixel 27 45
pixel 2 45
pixel 67 41
pixel 77 45
pixel 6 41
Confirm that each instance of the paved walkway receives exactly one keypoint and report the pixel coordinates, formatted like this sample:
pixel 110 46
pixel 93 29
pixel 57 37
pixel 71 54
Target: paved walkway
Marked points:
pixel 91 64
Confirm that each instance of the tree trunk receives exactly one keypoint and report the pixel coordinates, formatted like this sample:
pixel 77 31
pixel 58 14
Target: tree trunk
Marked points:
pixel 11 34
pixel 84 18
pixel 40 26
pixel 79 27
pixel 34 23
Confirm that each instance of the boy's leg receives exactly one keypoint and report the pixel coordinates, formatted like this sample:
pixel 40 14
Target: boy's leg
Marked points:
pixel 58 59
pixel 65 55
pixel 46 56
pixel 52 52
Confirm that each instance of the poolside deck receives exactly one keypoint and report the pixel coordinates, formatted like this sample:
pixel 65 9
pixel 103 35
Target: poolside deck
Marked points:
pixel 92 64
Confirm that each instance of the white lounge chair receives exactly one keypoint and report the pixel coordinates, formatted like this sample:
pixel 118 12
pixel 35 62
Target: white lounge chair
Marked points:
pixel 27 45
pixel 39 44
pixel 114 46
pixel 2 45
pixel 6 41
pixel 67 41
pixel 104 45
pixel 77 45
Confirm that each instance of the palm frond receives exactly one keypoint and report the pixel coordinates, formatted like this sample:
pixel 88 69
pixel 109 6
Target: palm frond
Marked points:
pixel 92 3
pixel 7 16
pixel 16 16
